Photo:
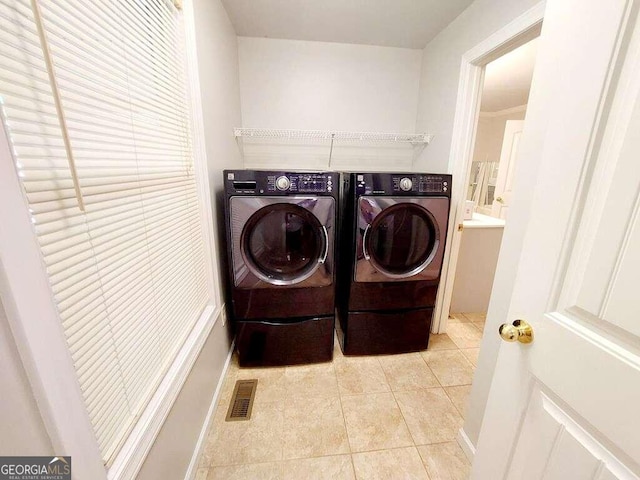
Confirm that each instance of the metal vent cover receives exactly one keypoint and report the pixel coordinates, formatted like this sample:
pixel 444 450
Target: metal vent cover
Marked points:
pixel 242 400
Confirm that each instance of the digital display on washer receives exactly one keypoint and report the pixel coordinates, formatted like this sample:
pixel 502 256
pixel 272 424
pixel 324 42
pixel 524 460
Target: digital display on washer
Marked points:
pixel 314 183
pixel 429 184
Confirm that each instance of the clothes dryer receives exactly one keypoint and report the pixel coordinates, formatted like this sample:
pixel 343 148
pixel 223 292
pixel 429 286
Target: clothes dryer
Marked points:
pixel 394 230
pixel 280 244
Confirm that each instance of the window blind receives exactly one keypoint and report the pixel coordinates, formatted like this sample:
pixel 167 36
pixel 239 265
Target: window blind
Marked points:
pixel 128 273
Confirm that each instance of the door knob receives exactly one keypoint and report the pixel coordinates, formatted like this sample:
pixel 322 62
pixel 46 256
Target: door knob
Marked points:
pixel 499 200
pixel 519 331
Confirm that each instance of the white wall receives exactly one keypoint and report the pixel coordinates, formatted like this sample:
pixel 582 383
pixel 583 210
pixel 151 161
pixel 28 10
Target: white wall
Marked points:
pixel 327 86
pixel 441 63
pixel 217 56
pixel 491 133
pixel 22 431
pixel 441 70
pixel 218 67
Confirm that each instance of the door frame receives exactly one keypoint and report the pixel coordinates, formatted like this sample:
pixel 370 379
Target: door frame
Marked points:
pixel 521 30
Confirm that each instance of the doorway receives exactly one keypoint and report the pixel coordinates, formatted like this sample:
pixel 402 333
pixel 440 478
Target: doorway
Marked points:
pixel 503 105
pixel 468 107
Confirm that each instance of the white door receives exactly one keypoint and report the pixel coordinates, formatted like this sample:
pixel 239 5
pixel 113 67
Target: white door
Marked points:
pixel 567 406
pixel 506 167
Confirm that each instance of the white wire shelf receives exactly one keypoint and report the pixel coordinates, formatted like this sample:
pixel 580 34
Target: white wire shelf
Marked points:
pixel 284 134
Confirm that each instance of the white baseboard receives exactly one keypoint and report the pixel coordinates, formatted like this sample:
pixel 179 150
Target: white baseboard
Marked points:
pixel 466 445
pixel 204 433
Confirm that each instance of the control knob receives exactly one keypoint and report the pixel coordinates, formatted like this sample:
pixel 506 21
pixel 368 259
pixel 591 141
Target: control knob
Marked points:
pixel 283 183
pixel 406 184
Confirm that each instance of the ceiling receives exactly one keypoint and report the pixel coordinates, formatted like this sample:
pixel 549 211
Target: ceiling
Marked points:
pixel 507 80
pixel 391 23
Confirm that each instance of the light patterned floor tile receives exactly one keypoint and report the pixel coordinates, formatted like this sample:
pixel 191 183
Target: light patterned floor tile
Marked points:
pixel 458 317
pixel 374 422
pixel 476 317
pixel 317 380
pixel 314 427
pixel 254 471
pixel 450 367
pixel 478 320
pixel 445 461
pixel 441 342
pixel 464 335
pixel 202 473
pixel 399 463
pixel 471 354
pixel 253 441
pixel 361 375
pixel 479 325
pixel 459 395
pixel 407 372
pixel 298 427
pixel 272 383
pixel 430 415
pixel 336 467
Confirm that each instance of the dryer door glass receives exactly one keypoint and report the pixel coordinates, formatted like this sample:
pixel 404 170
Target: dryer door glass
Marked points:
pixel 283 243
pixel 402 240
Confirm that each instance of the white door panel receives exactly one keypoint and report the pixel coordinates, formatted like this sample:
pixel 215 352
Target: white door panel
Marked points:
pixel 594 375
pixel 565 406
pixel 554 446
pixel 609 276
pixel 506 167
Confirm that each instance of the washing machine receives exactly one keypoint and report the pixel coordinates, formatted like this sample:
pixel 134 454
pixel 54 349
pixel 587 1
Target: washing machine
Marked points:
pixel 393 235
pixel 281 238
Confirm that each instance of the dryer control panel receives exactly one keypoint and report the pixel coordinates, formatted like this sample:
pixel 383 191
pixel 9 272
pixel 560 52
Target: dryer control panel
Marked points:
pixel 411 184
pixel 301 182
pixel 247 182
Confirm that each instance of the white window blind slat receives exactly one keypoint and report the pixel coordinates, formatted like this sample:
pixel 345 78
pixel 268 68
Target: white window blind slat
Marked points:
pixel 128 274
pixel 122 274
pixel 104 202
pixel 110 79
pixel 105 388
pixel 48 226
pixel 119 21
pixel 112 412
pixel 114 243
pixel 106 414
pixel 21 112
pixel 113 237
pixel 91 31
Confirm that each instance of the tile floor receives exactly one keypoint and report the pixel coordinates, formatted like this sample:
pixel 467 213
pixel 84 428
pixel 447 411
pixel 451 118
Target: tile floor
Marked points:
pixel 383 417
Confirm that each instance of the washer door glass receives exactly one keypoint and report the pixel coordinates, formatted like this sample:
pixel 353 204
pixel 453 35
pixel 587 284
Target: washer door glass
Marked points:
pixel 282 243
pixel 402 240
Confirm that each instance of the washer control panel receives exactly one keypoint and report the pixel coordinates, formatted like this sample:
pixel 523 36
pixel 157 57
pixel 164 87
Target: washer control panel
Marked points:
pixel 402 184
pixel 301 182
pixel 280 183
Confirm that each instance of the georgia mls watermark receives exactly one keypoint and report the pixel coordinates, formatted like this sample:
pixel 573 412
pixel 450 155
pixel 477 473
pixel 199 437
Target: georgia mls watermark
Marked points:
pixel 35 468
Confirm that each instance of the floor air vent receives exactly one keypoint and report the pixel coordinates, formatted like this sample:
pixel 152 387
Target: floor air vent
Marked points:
pixel 242 400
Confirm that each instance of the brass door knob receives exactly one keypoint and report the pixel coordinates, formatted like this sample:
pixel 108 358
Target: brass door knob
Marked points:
pixel 500 200
pixel 519 331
